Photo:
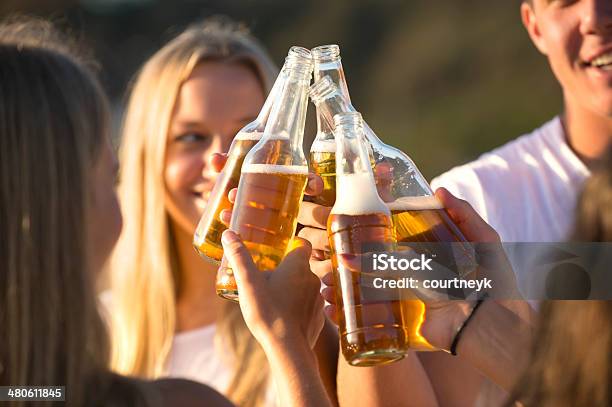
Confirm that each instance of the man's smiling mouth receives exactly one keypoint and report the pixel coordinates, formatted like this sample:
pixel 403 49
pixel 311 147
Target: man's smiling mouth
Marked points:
pixel 603 61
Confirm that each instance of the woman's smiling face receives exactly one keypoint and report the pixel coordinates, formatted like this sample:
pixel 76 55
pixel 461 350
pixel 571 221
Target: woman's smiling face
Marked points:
pixel 213 104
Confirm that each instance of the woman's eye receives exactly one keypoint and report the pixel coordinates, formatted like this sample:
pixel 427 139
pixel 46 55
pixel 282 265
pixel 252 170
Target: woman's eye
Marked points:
pixel 191 138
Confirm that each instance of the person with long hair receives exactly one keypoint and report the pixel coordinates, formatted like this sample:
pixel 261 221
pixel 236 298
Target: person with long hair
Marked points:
pixel 186 103
pixel 571 357
pixel 59 221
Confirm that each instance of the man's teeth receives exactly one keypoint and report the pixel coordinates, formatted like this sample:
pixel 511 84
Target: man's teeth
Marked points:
pixel 602 60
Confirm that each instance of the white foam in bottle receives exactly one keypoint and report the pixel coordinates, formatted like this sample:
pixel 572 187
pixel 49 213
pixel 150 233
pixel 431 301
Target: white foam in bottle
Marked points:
pixel 275 169
pixel 323 146
pixel 415 203
pixel 356 195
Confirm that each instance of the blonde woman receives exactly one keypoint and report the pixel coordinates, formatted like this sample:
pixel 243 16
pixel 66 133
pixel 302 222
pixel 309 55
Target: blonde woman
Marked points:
pixel 187 103
pixel 59 220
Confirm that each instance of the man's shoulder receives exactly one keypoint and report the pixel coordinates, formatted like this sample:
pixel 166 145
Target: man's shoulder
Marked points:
pixel 502 165
pixel 500 184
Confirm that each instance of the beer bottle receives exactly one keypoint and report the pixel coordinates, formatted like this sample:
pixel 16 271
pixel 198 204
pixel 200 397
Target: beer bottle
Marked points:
pixel 273 179
pixel 419 219
pixel 371 332
pixel 207 237
pixel 322 152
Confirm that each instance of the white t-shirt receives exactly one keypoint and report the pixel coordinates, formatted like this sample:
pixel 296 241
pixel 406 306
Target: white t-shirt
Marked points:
pixel 195 356
pixel 526 189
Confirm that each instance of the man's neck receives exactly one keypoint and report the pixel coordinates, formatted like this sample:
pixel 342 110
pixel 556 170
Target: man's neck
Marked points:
pixel 589 134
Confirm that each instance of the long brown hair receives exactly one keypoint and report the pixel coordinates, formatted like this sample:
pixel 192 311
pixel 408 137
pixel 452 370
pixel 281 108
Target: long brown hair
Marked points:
pixel 571 362
pixel 571 359
pixel 53 120
pixel 144 273
pixel 594 209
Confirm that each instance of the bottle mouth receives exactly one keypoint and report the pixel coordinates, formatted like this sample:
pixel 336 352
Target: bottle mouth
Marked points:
pixel 326 53
pixel 321 89
pixel 299 61
pixel 297 51
pixel 348 119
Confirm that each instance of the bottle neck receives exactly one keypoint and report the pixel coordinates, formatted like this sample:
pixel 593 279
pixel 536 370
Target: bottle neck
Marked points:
pixel 351 153
pixel 333 69
pixel 354 175
pixel 264 113
pixel 288 115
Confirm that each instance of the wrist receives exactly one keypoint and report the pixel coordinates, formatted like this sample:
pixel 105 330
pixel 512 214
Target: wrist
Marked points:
pixel 286 345
pixel 442 322
pixel 463 326
pixel 462 310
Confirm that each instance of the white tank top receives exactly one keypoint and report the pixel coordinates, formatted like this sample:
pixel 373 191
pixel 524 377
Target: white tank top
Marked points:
pixel 195 355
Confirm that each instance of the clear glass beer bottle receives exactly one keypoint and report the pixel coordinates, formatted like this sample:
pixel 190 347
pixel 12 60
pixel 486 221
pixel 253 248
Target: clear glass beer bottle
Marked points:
pixel 418 217
pixel 371 332
pixel 273 179
pixel 207 237
pixel 327 62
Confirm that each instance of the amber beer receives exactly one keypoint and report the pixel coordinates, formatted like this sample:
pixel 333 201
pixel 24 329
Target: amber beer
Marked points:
pixel 423 219
pixel 371 332
pixel 323 163
pixel 210 228
pixel 265 214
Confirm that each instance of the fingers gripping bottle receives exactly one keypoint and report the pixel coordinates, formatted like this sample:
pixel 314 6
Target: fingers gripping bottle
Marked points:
pixel 418 217
pixel 371 332
pixel 273 179
pixel 207 237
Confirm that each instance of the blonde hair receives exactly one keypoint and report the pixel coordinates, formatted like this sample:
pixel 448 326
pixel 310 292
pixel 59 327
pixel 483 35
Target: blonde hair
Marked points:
pixel 144 271
pixel 53 120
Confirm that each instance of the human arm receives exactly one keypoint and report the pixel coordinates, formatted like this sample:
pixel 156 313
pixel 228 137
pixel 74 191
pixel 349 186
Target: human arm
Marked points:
pixel 326 348
pixel 496 340
pixel 284 311
pixel 403 383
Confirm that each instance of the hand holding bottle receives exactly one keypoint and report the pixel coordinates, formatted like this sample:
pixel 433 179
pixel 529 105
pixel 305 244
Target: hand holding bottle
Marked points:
pixel 281 305
pixel 313 188
pixel 444 317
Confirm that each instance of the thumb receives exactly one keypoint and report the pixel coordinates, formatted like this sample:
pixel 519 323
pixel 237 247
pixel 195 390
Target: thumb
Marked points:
pixel 299 250
pixel 466 218
pixel 240 260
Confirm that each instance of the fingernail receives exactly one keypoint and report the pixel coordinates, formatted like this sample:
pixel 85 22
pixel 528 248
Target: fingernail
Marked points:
pixel 225 216
pixel 229 236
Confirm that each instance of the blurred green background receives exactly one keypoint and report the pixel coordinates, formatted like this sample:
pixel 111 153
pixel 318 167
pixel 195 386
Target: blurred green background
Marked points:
pixel 443 80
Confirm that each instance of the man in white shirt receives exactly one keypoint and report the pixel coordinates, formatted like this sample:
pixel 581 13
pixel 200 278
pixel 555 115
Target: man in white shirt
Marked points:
pixel 527 189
